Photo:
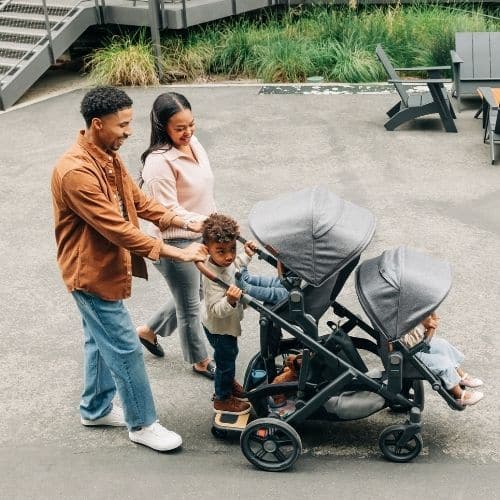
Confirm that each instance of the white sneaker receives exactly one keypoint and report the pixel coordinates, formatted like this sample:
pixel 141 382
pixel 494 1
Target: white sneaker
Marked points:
pixel 115 418
pixel 157 437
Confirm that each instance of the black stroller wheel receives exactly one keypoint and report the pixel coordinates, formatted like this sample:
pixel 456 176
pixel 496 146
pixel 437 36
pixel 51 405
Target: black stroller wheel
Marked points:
pixel 271 444
pixel 399 452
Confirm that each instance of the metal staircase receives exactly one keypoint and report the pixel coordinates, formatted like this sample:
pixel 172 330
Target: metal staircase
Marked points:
pixel 32 36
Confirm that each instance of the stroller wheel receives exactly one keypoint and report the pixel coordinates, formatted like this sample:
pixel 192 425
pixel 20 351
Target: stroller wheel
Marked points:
pixel 271 444
pixel 395 450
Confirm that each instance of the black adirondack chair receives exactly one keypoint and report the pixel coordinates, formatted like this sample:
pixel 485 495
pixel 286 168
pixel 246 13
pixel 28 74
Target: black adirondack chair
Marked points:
pixel 476 63
pixel 491 119
pixel 412 106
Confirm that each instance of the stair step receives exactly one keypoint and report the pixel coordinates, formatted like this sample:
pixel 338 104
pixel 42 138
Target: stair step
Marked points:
pixel 4 61
pixel 14 54
pixel 52 10
pixel 3 69
pixel 34 21
pixel 15 45
pixel 6 65
pixel 18 37
pixel 16 51
pixel 24 35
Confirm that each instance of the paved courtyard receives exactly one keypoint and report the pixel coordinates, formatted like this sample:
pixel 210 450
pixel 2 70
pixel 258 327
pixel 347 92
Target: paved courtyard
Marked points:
pixel 427 188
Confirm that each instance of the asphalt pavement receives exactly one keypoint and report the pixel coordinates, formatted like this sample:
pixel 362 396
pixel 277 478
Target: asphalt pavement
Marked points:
pixel 428 189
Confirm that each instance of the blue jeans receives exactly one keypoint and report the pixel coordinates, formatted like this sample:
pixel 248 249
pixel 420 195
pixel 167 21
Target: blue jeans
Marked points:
pixel 182 311
pixel 443 359
pixel 263 288
pixel 225 354
pixel 113 360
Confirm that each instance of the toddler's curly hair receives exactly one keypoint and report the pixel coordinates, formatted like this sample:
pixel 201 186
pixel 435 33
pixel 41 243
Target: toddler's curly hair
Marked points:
pixel 219 228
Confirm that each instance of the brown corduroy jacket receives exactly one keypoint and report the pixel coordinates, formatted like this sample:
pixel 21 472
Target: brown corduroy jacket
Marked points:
pixel 99 243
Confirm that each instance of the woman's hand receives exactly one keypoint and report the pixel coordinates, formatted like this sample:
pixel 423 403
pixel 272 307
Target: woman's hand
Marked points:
pixel 233 294
pixel 196 227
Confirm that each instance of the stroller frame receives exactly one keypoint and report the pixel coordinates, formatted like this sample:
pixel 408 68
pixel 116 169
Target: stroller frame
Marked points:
pixel 263 439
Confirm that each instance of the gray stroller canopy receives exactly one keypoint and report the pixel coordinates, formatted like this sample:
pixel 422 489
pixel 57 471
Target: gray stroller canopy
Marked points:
pixel 314 232
pixel 401 287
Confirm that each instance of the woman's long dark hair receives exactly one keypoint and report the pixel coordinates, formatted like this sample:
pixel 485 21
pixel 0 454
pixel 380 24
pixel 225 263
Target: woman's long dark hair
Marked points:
pixel 165 106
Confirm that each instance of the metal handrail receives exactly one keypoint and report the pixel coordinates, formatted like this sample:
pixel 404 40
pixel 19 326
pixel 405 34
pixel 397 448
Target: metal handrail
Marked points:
pixel 48 29
pixel 42 40
pixel 184 14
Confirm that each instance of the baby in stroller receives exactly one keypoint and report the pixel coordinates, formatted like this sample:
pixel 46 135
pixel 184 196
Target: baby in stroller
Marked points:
pixel 444 360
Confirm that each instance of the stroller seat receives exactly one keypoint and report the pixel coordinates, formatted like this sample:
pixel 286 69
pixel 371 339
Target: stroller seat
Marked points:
pixel 397 290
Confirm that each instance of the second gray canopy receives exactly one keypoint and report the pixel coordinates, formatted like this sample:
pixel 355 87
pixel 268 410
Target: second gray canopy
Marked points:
pixel 313 232
pixel 400 288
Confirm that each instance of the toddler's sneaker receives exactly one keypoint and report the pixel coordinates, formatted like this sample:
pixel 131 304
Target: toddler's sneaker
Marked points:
pixel 470 398
pixel 468 381
pixel 238 392
pixel 114 418
pixel 231 405
pixel 157 437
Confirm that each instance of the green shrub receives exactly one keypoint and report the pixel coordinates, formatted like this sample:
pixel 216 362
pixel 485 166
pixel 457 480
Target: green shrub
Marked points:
pixel 284 60
pixel 288 45
pixel 127 60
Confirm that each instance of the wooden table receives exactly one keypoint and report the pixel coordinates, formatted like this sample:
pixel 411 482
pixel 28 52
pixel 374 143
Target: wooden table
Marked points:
pixel 490 100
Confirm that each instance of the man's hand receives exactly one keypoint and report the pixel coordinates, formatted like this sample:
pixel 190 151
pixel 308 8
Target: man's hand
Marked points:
pixel 195 252
pixel 233 294
pixel 250 248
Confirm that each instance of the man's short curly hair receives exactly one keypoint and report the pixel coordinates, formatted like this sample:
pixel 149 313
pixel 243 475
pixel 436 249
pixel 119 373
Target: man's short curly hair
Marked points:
pixel 103 100
pixel 220 228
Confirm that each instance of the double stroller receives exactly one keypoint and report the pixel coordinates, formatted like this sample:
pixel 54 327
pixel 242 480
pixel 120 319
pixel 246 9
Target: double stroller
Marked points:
pixel 319 237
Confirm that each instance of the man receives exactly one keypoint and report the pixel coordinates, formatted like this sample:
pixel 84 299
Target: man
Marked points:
pixel 99 248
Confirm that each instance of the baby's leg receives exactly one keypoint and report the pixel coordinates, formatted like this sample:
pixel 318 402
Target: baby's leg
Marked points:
pixel 257 280
pixel 442 347
pixel 263 288
pixel 441 366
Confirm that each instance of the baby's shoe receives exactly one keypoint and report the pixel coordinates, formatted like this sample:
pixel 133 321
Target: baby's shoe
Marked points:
pixel 469 381
pixel 470 398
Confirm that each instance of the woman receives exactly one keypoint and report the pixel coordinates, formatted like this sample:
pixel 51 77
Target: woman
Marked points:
pixel 177 173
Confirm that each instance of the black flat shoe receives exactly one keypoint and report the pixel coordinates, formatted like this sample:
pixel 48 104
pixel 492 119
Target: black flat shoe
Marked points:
pixel 155 349
pixel 208 372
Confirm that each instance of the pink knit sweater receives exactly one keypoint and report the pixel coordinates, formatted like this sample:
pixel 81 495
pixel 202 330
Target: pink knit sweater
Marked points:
pixel 182 185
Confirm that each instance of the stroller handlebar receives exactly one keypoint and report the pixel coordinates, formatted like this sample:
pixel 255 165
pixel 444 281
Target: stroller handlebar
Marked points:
pixel 261 254
pixel 202 267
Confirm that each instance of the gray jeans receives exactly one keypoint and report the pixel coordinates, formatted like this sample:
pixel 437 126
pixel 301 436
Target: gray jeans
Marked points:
pixel 182 311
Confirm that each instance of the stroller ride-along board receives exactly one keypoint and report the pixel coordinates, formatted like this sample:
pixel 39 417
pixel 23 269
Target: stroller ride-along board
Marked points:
pixel 227 425
pixel 318 238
